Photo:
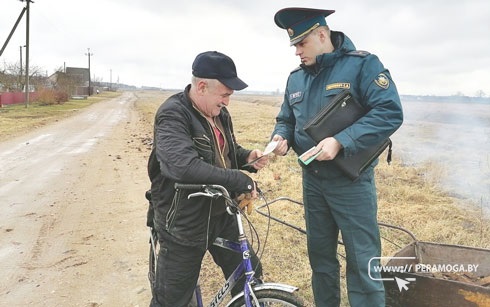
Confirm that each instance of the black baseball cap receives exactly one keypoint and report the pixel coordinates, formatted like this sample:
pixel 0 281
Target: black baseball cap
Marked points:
pixel 216 65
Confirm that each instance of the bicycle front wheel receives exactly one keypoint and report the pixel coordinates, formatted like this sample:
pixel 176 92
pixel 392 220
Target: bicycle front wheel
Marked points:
pixel 272 298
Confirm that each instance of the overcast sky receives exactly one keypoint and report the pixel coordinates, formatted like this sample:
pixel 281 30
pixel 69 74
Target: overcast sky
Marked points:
pixel 438 47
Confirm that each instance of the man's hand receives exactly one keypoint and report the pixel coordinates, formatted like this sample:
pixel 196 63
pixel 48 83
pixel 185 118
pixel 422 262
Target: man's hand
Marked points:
pixel 281 148
pixel 257 159
pixel 330 148
pixel 246 201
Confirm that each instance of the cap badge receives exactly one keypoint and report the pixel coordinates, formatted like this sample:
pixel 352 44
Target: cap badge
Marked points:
pixel 382 81
pixel 290 32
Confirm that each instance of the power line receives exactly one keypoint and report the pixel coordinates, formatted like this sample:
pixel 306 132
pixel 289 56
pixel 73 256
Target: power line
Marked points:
pixel 12 31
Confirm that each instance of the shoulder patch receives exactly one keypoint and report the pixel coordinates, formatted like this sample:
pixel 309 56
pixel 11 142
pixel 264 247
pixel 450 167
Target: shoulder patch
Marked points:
pixel 382 81
pixel 360 53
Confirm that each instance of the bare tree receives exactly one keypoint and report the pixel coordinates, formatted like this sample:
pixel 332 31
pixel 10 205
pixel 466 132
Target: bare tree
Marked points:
pixel 9 77
pixel 480 93
pixel 12 80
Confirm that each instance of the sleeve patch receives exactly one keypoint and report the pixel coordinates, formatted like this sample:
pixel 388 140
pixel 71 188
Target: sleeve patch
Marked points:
pixel 382 81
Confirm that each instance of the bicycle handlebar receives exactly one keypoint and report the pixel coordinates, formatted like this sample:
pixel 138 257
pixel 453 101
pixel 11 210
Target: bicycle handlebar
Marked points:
pixel 207 190
pixel 189 186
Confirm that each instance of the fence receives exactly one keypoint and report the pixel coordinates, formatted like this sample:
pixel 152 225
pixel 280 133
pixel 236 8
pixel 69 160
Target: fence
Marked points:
pixel 15 97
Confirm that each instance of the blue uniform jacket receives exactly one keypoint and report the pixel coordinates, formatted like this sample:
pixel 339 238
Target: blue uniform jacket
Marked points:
pixel 310 88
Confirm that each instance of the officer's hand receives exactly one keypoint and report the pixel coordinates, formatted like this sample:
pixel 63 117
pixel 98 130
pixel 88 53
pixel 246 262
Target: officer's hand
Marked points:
pixel 281 148
pixel 330 148
pixel 246 201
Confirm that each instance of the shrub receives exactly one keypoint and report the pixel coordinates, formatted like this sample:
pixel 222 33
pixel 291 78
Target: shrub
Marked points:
pixel 49 97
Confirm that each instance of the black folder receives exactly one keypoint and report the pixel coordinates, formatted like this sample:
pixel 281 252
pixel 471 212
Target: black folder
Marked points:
pixel 339 114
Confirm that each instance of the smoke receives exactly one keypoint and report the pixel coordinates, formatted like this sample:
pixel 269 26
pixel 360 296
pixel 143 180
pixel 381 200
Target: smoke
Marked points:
pixel 453 138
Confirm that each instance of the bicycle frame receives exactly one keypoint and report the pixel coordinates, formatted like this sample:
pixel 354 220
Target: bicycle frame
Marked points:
pixel 244 268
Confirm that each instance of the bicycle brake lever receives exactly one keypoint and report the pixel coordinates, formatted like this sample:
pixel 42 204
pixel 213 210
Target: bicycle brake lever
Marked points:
pixel 214 193
pixel 197 194
pixel 214 196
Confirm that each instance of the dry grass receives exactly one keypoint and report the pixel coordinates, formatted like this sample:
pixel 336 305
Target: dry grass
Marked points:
pixel 407 197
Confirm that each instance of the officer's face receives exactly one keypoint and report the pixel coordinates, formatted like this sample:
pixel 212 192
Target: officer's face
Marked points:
pixel 311 46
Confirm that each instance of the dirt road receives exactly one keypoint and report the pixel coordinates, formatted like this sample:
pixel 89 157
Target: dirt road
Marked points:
pixel 72 228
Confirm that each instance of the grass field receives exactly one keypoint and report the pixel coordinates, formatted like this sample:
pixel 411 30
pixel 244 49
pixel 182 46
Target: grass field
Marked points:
pixel 407 197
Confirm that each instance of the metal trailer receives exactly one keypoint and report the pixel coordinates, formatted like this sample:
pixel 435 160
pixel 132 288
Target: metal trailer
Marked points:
pixel 426 274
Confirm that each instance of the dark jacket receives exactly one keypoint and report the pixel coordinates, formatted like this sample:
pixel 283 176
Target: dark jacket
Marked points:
pixel 184 152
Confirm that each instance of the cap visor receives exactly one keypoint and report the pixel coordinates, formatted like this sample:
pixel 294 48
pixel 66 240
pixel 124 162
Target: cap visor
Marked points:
pixel 297 40
pixel 234 83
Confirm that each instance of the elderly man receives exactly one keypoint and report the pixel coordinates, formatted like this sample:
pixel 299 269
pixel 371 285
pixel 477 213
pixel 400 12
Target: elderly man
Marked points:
pixel 194 143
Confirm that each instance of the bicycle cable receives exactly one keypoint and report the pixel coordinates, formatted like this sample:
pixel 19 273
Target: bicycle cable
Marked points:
pixel 262 195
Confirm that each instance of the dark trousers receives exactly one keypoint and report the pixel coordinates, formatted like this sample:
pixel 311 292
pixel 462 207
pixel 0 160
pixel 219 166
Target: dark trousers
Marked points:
pixel 179 265
pixel 351 208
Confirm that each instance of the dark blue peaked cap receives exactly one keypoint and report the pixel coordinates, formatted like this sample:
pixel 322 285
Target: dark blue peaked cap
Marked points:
pixel 299 22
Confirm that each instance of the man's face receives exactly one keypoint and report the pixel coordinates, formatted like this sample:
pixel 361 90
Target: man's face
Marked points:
pixel 216 96
pixel 309 48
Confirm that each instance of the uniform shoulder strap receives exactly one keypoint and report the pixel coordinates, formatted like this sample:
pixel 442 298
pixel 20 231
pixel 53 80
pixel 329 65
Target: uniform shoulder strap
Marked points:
pixel 359 53
pixel 295 70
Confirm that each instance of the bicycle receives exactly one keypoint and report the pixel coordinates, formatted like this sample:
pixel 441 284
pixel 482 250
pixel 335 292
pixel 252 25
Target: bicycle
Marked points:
pixel 255 292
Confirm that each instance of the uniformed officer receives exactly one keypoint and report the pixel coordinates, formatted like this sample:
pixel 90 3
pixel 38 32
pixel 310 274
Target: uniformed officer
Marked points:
pixel 330 64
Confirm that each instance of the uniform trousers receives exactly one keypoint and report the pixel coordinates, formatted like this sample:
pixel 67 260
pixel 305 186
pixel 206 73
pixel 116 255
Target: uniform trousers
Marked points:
pixel 338 204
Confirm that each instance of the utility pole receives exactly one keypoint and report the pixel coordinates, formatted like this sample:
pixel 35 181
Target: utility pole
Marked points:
pixel 89 82
pixel 21 66
pixel 28 2
pixel 20 75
